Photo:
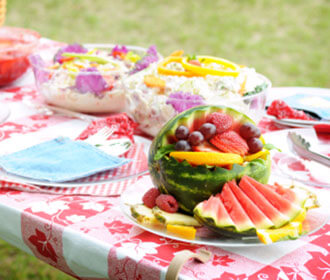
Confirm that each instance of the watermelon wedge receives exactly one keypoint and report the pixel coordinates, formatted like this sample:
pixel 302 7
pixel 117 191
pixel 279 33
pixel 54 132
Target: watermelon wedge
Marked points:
pixel 263 204
pixel 258 218
pixel 236 211
pixel 279 202
pixel 214 213
pixel 296 195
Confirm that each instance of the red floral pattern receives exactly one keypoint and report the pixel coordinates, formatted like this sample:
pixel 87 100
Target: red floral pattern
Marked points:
pixel 222 260
pixel 43 245
pixel 319 265
pixel 118 227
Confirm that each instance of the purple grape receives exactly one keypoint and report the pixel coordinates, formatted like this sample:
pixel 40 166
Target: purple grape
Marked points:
pixel 255 145
pixel 182 132
pixel 195 138
pixel 248 130
pixel 208 130
pixel 182 145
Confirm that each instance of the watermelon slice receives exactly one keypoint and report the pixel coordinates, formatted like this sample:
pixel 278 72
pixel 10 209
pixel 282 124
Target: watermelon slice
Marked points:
pixel 263 204
pixel 294 194
pixel 213 212
pixel 235 210
pixel 259 219
pixel 279 202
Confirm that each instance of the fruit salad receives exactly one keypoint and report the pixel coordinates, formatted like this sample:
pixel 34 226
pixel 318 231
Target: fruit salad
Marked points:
pixel 180 82
pixel 90 79
pixel 211 167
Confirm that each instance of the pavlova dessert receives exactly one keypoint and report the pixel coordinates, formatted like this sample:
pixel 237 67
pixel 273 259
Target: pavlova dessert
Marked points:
pixel 179 82
pixel 90 79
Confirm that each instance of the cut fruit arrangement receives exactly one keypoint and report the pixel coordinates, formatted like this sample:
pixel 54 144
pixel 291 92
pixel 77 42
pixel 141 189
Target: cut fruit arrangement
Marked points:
pixel 210 164
pixel 249 208
pixel 201 149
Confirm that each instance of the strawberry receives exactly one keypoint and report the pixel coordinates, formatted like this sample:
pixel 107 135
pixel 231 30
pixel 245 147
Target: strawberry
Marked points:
pixel 230 142
pixel 205 147
pixel 195 62
pixel 222 121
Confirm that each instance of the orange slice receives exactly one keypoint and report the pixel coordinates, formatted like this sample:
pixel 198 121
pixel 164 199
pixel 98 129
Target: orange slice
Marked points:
pixel 208 158
pixel 177 53
pixel 290 231
pixel 260 154
pixel 186 232
pixel 154 82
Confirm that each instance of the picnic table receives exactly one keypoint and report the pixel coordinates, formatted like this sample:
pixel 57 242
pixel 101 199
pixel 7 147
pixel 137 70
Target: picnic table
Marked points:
pixel 83 232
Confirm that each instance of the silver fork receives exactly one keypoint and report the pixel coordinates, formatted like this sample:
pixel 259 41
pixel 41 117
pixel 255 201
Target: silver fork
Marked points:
pixel 100 137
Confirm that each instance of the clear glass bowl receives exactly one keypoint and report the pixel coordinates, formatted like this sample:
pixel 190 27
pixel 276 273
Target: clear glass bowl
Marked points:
pixel 16 44
pixel 57 85
pixel 152 111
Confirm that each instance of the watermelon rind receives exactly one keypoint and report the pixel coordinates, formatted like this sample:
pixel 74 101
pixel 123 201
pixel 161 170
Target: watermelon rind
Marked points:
pixel 222 225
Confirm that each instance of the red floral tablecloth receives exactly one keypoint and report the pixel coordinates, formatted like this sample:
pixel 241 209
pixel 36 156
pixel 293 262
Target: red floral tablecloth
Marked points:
pixel 88 237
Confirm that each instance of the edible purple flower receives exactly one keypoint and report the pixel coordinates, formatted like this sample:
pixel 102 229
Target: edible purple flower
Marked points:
pixel 90 80
pixel 73 48
pixel 119 51
pixel 151 56
pixel 182 101
pixel 38 65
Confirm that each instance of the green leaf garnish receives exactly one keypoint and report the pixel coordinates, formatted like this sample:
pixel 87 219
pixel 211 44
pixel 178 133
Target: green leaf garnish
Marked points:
pixel 191 57
pixel 257 89
pixel 271 147
pixel 164 151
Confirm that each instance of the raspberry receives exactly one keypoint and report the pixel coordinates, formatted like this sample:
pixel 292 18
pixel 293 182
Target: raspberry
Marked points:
pixel 230 142
pixel 281 110
pixel 167 203
pixel 221 121
pixel 149 198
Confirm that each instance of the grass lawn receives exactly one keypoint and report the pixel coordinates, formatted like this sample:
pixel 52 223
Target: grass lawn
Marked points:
pixel 288 41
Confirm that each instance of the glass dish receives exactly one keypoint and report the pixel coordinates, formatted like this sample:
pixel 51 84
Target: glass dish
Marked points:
pixel 4 112
pixel 315 219
pixel 152 110
pixel 304 171
pixel 58 85
pixel 16 44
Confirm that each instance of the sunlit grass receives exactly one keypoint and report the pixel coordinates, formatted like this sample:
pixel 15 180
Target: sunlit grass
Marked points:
pixel 15 264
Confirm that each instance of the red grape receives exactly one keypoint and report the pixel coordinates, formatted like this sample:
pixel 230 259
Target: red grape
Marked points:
pixel 182 132
pixel 255 145
pixel 208 130
pixel 195 138
pixel 182 145
pixel 248 130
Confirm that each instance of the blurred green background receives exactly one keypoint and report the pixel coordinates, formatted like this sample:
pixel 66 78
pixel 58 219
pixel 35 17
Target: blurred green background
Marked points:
pixel 288 41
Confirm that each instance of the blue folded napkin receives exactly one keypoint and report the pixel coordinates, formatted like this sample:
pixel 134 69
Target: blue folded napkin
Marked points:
pixel 59 160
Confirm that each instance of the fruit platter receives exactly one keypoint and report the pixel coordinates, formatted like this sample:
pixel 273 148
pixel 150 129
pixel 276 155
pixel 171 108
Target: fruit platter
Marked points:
pixel 89 78
pixel 179 82
pixel 211 184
